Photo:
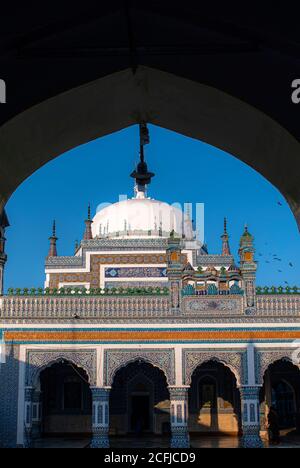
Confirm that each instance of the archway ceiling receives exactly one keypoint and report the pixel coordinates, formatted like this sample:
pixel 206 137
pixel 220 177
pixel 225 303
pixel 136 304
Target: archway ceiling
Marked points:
pixel 48 50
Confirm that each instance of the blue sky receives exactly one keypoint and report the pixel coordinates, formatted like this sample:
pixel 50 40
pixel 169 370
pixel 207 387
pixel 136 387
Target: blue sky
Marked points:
pixel 186 170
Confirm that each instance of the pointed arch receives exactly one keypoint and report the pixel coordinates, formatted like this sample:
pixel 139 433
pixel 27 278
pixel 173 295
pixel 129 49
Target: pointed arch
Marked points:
pixel 39 360
pixel 114 360
pixel 235 360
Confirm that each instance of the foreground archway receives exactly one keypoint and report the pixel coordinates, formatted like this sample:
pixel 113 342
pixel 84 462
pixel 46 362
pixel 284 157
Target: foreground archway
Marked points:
pixel 139 402
pixel 122 99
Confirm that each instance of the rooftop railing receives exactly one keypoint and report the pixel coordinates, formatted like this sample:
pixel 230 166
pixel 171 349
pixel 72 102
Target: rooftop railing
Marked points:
pixel 118 303
pixel 81 291
pixel 277 290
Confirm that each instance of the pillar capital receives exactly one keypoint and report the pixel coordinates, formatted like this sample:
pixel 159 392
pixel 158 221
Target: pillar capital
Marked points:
pixel 250 392
pixel 100 393
pixel 29 392
pixel 178 392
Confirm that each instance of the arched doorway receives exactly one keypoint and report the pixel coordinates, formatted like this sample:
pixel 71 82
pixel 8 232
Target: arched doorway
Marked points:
pixel 66 401
pixel 139 401
pixel 214 401
pixel 281 390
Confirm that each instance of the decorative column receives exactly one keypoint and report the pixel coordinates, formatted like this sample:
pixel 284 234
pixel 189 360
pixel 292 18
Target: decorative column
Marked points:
pixel 250 417
pixel 174 271
pixel 179 417
pixel 29 392
pixel 100 419
pixel 2 264
pixel 3 257
pixel 36 414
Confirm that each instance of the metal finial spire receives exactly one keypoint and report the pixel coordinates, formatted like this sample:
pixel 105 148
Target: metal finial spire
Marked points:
pixel 89 212
pixel 141 175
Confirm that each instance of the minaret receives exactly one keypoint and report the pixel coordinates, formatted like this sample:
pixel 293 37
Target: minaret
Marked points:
pixel 53 240
pixel 141 175
pixel 4 223
pixel 248 269
pixel 225 240
pixel 88 226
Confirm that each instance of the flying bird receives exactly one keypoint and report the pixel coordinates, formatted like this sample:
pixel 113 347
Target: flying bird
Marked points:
pixel 279 203
pixel 291 265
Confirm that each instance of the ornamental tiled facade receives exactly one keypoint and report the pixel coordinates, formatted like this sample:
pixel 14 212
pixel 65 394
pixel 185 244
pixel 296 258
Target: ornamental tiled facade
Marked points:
pixel 144 331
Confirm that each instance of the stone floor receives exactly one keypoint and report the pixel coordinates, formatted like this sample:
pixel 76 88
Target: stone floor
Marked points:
pixel 160 442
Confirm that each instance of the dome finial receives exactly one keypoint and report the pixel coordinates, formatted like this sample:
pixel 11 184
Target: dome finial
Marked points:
pixel 141 175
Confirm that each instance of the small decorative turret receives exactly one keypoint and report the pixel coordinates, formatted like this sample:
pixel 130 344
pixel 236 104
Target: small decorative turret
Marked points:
pixel 246 250
pixel 88 226
pixel 4 223
pixel 225 240
pixel 53 239
pixel 248 270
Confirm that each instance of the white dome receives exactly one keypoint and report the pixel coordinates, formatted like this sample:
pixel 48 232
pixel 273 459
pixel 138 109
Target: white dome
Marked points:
pixel 140 217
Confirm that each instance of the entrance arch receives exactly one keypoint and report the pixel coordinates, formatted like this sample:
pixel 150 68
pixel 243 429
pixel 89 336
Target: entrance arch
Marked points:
pixel 214 400
pixel 122 99
pixel 281 390
pixel 66 401
pixel 139 401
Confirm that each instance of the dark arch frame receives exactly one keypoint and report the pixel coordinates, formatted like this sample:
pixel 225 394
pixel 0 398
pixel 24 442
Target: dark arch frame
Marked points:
pixel 122 99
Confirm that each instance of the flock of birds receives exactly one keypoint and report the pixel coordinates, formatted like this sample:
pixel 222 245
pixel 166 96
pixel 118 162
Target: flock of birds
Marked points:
pixel 274 257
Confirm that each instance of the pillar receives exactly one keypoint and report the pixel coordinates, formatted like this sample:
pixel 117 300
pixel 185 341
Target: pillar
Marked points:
pixel 3 259
pixel 100 418
pixel 250 417
pixel 179 417
pixel 36 415
pixel 29 392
